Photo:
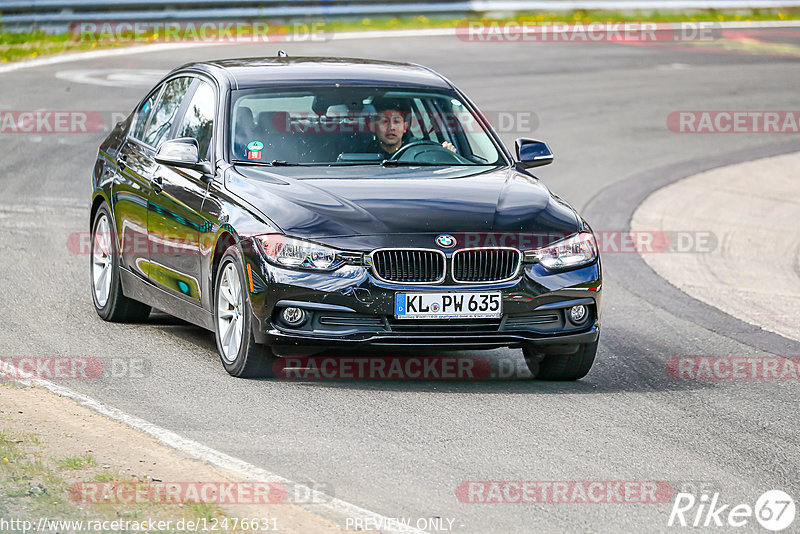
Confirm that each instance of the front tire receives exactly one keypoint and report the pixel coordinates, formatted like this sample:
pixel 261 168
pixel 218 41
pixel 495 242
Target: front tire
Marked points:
pixel 560 366
pixel 240 354
pixel 109 301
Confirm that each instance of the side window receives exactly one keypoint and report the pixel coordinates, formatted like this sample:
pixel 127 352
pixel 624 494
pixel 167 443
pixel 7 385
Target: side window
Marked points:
pixel 143 114
pixel 425 128
pixel 198 120
pixel 414 126
pixel 165 111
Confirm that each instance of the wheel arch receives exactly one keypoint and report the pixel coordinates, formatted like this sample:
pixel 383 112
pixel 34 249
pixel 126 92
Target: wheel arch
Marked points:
pixel 225 240
pixel 97 200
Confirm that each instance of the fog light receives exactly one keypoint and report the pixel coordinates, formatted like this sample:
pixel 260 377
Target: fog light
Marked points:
pixel 578 314
pixel 293 316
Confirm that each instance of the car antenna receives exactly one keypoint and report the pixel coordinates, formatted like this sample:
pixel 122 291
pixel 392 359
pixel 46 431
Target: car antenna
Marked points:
pixel 282 53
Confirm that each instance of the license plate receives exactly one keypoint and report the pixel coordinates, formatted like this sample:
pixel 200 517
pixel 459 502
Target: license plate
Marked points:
pixel 448 305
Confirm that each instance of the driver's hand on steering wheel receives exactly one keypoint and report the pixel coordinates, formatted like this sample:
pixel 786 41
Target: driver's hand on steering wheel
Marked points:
pixel 449 146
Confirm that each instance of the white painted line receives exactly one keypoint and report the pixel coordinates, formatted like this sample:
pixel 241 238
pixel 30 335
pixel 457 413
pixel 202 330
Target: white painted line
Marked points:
pixel 380 34
pixel 143 78
pixel 341 36
pixel 201 452
pixel 96 54
pixel 564 28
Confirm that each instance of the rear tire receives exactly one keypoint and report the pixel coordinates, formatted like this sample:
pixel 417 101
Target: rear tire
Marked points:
pixel 109 301
pixel 241 356
pixel 560 366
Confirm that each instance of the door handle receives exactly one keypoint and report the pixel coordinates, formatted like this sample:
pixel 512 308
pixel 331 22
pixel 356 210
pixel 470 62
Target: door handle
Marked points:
pixel 157 184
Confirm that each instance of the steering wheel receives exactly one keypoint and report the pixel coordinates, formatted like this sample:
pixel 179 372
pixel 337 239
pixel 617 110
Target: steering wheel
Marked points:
pixel 413 150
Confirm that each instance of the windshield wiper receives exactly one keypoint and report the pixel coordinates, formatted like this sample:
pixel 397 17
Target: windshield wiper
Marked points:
pixel 384 163
pixel 399 163
pixel 273 163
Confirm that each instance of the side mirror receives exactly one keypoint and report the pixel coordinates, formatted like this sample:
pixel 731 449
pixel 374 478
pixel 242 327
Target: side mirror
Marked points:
pixel 532 153
pixel 182 153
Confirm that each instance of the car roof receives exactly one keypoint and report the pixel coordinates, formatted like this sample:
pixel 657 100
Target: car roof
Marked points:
pixel 244 73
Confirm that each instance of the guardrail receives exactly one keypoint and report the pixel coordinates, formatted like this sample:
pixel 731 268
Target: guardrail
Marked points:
pixel 58 14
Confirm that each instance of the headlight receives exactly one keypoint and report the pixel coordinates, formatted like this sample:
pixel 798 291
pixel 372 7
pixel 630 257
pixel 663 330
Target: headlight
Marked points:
pixel 288 252
pixel 574 251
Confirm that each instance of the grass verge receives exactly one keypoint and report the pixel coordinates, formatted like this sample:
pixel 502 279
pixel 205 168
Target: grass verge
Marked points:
pixel 33 486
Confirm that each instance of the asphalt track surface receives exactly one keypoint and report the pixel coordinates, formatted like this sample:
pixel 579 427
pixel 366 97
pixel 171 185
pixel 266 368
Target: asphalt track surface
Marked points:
pixel 401 448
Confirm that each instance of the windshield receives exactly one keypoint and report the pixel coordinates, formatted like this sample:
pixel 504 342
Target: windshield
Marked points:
pixel 357 126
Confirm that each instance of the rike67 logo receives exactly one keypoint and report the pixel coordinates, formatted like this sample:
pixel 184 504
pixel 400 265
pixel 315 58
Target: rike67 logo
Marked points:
pixel 774 510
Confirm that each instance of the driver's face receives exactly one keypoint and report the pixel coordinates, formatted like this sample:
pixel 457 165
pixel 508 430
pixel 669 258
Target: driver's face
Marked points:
pixel 390 126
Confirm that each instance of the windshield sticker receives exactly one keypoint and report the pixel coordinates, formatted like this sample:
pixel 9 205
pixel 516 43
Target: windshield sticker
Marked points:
pixel 254 149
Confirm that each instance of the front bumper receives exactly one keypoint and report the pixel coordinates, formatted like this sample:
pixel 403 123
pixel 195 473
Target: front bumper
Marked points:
pixel 351 308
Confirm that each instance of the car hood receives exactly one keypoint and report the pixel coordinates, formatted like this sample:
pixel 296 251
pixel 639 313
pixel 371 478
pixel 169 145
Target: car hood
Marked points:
pixel 350 205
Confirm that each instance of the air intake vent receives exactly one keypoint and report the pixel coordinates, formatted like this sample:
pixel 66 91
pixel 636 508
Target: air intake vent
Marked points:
pixel 409 266
pixel 485 264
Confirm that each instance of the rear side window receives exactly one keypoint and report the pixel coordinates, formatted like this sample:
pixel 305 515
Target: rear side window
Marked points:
pixel 165 111
pixel 144 114
pixel 198 120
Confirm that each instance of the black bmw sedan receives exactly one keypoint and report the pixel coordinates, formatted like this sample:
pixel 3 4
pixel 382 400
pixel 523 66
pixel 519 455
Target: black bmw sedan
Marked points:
pixel 293 205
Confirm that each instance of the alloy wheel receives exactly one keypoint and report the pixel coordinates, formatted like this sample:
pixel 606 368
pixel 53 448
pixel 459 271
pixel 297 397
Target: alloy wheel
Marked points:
pixel 230 319
pixel 101 261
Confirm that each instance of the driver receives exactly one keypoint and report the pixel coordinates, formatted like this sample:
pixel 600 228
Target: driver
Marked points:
pixel 390 125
